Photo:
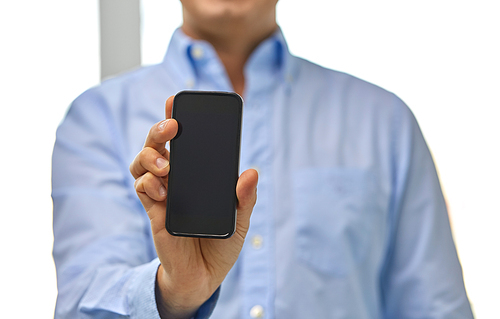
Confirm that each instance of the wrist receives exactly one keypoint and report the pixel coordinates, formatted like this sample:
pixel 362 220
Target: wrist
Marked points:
pixel 176 303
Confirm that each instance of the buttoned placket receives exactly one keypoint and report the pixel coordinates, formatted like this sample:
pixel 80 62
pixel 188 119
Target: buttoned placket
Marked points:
pixel 257 264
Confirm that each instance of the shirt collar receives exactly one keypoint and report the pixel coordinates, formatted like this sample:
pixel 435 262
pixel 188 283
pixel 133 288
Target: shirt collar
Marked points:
pixel 194 61
pixel 267 63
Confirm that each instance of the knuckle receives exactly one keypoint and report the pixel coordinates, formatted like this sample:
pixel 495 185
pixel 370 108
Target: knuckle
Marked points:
pixel 147 157
pixel 143 154
pixel 133 167
pixel 149 181
pixel 138 185
pixel 148 178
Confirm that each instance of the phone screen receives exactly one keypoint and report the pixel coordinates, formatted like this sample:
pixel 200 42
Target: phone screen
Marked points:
pixel 204 164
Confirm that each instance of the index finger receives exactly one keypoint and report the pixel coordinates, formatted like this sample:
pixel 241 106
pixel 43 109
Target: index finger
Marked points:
pixel 162 131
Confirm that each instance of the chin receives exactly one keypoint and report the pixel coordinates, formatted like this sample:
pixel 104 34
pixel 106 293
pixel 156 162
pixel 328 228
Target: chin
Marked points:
pixel 223 11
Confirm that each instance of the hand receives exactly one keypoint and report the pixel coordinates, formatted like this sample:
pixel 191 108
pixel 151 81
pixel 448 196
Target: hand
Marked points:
pixel 191 268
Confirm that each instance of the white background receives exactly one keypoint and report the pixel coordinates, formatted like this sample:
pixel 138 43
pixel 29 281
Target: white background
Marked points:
pixel 441 57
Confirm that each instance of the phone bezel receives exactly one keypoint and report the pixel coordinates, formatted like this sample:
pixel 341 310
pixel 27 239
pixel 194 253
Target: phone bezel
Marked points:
pixel 234 216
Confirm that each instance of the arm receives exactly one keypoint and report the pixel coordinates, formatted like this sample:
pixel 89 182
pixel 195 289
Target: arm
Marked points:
pixel 103 248
pixel 104 256
pixel 422 277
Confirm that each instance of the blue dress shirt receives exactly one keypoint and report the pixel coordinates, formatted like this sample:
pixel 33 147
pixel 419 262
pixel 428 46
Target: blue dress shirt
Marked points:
pixel 350 220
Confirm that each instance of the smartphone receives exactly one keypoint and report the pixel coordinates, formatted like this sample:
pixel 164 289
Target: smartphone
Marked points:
pixel 204 164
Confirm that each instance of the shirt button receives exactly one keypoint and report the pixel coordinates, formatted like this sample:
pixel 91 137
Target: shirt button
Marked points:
pixel 257 241
pixel 190 84
pixel 257 312
pixel 197 52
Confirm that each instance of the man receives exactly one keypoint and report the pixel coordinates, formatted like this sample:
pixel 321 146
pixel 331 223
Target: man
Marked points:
pixel 350 221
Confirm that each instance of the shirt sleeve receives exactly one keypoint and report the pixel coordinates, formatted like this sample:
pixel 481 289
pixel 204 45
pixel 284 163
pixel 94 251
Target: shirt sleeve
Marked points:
pixel 422 276
pixel 103 249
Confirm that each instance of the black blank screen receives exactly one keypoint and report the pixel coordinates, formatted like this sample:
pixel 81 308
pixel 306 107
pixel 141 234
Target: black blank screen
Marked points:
pixel 204 162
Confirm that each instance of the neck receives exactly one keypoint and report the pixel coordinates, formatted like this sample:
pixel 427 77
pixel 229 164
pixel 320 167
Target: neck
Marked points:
pixel 233 42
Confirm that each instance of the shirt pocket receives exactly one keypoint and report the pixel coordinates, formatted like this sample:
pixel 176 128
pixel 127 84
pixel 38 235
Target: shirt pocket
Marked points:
pixel 336 216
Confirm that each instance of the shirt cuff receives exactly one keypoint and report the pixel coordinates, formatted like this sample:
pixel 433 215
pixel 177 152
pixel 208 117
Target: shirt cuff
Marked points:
pixel 141 294
pixel 208 307
pixel 142 299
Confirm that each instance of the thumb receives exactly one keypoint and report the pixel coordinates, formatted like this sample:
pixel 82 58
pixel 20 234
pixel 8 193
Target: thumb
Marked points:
pixel 246 191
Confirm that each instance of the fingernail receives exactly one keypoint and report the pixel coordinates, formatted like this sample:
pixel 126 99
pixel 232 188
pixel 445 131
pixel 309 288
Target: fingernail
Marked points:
pixel 163 124
pixel 163 191
pixel 161 162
